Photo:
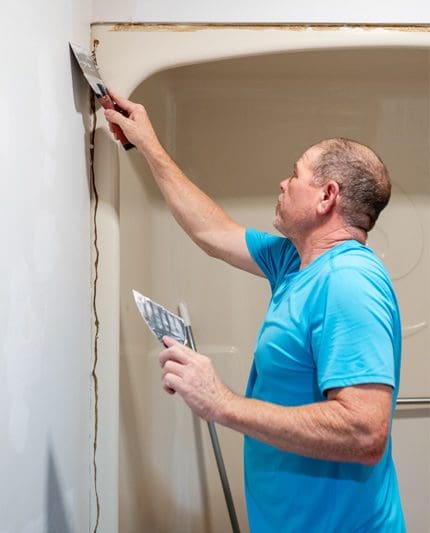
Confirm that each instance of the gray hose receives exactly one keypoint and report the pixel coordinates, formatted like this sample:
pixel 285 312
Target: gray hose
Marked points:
pixel 213 434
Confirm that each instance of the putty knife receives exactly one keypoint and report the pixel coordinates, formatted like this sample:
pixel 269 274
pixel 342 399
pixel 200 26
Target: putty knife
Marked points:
pixel 159 320
pixel 91 73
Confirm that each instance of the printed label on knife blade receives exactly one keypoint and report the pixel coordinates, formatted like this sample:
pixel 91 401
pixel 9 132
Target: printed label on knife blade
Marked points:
pixel 159 320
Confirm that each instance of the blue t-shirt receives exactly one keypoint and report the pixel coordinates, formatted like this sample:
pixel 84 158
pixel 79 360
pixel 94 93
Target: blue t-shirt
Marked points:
pixel 334 323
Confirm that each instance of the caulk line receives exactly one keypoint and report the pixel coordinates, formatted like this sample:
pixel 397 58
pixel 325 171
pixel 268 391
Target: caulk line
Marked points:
pixel 95 314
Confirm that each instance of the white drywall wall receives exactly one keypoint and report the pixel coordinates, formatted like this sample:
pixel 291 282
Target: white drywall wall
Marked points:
pixel 275 11
pixel 45 279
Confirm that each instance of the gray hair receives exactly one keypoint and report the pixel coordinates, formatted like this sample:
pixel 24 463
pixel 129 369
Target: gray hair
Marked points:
pixel 363 179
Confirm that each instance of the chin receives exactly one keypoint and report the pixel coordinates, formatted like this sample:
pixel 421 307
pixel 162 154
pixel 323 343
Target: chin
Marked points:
pixel 278 227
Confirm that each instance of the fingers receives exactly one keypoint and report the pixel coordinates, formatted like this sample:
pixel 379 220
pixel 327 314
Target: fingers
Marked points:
pixel 115 117
pixel 172 372
pixel 169 390
pixel 172 360
pixel 123 103
pixel 172 367
pixel 175 352
pixel 171 383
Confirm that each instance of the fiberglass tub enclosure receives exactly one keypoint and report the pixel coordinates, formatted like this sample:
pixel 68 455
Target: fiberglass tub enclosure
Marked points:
pixel 235 107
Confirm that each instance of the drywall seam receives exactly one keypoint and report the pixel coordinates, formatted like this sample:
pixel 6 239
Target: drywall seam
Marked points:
pixel 96 252
pixel 196 26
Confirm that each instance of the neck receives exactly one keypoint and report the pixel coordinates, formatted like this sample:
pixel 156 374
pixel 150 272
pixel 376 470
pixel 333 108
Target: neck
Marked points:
pixel 320 241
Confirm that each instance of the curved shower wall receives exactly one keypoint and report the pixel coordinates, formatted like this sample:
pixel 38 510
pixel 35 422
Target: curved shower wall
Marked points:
pixel 236 125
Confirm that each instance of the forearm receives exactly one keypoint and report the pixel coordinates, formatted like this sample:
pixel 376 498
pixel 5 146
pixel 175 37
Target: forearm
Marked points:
pixel 205 222
pixel 194 211
pixel 324 430
pixel 352 425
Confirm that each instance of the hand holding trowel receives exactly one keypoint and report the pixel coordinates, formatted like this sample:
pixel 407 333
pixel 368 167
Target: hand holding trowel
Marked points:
pixel 91 73
pixel 162 322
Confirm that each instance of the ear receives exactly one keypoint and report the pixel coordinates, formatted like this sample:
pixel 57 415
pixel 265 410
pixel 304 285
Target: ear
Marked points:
pixel 328 198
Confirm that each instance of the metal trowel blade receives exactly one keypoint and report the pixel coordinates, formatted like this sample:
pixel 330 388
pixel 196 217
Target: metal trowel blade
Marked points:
pixel 159 320
pixel 89 68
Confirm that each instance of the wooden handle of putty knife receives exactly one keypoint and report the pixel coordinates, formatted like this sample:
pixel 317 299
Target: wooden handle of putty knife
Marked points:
pixel 107 103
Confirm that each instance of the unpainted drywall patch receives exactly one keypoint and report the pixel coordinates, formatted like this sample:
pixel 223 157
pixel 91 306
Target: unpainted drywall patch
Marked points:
pixel 139 27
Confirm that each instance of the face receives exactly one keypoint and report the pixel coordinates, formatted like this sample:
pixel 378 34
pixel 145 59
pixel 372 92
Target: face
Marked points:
pixel 296 207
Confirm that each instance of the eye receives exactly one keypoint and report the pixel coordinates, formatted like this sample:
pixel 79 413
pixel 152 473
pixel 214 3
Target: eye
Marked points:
pixel 294 173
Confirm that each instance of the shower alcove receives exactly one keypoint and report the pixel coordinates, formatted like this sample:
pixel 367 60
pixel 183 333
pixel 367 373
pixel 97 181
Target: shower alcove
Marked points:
pixel 235 107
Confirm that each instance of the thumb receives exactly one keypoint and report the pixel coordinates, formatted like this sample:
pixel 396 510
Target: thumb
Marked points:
pixel 122 102
pixel 168 341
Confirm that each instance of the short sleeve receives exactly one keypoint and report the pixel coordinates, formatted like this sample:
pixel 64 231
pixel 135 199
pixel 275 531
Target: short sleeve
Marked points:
pixel 353 337
pixel 275 255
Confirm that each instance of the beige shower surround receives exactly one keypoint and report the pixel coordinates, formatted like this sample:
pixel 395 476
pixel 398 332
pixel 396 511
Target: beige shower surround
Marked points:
pixel 235 106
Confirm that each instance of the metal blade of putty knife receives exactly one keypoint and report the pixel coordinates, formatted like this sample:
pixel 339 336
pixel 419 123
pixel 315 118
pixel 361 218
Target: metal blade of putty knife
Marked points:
pixel 91 73
pixel 159 320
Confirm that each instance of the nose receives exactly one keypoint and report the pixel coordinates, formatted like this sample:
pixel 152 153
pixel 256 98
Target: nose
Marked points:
pixel 283 184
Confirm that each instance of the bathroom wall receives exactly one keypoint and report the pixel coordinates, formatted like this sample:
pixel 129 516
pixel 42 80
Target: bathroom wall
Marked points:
pixel 46 406
pixel 334 11
pixel 257 114
pixel 45 271
pixel 409 452
pixel 407 423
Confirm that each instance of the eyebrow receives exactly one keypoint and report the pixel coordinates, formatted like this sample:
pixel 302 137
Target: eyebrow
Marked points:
pixel 295 169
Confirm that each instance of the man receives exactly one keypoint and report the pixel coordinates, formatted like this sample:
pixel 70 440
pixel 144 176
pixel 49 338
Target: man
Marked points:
pixel 324 381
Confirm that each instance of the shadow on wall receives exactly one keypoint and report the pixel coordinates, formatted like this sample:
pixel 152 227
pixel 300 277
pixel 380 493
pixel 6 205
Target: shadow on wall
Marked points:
pixel 82 103
pixel 56 513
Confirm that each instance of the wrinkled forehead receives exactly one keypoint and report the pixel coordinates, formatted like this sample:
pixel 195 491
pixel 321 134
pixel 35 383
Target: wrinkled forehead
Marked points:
pixel 310 156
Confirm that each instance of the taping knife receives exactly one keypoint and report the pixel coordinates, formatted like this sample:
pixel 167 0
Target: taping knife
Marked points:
pixel 159 320
pixel 91 73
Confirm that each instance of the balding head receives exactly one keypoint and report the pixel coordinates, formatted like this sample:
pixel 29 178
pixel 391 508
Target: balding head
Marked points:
pixel 363 179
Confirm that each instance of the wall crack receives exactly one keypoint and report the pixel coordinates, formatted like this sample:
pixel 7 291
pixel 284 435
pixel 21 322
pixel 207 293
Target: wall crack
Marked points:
pixel 96 252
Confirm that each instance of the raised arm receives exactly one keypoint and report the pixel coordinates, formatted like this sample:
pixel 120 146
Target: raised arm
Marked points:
pixel 209 226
